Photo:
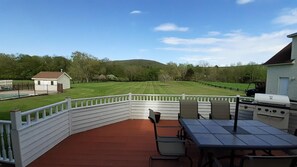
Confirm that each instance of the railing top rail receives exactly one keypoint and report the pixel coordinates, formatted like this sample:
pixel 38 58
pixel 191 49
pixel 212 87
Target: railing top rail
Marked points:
pixel 156 94
pixel 181 95
pixel 42 108
pixel 5 122
pixel 210 96
pixel 99 97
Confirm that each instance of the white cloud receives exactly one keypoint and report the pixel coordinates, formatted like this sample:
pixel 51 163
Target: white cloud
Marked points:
pixel 191 49
pixel 242 2
pixel 185 41
pixel 229 48
pixel 288 17
pixel 134 12
pixel 213 33
pixel 170 27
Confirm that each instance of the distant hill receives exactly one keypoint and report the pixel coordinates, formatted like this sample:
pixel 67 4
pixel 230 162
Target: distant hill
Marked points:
pixel 139 62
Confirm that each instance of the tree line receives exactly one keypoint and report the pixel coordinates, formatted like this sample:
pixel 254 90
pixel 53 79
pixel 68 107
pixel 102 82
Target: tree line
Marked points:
pixel 84 67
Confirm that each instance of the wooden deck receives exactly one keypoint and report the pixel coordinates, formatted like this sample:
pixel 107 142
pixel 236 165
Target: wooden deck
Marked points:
pixel 129 143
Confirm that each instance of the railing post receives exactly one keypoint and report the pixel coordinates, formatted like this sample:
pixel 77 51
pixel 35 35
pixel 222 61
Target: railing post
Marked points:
pixel 130 106
pixel 16 124
pixel 183 96
pixel 69 109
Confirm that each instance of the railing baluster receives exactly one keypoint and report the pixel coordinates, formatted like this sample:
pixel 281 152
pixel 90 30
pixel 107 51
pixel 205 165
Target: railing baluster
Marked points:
pixel 36 116
pixel 51 111
pixel 3 151
pixel 44 114
pixel 8 137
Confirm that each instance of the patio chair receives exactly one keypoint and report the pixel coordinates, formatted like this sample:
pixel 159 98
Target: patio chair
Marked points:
pixel 169 147
pixel 220 109
pixel 188 109
pixel 271 161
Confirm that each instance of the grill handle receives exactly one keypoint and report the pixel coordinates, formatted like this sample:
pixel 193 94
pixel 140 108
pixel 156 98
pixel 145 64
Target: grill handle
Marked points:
pixel 273 116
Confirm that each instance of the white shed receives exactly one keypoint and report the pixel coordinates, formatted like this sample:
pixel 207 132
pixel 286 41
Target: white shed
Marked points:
pixel 282 71
pixel 48 81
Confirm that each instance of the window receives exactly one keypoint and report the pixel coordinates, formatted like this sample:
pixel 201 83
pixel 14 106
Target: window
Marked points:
pixel 52 82
pixel 38 82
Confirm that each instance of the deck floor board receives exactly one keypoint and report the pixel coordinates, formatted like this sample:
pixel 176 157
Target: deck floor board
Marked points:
pixel 125 144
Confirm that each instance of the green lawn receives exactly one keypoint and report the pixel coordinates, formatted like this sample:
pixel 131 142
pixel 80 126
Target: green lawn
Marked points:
pixel 112 88
pixel 240 86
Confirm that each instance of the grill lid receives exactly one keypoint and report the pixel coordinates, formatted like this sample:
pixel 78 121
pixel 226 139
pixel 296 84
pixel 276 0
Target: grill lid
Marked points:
pixel 272 99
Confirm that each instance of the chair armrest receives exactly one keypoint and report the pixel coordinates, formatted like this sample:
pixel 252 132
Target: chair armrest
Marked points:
pixel 201 116
pixel 168 126
pixel 210 117
pixel 169 139
pixel 232 116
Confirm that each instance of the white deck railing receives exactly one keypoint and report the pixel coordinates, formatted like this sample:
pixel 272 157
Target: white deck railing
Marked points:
pixel 39 114
pixel 88 102
pixel 36 131
pixel 5 142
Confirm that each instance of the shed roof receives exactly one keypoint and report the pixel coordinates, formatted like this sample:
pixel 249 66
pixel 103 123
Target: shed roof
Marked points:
pixel 49 74
pixel 282 57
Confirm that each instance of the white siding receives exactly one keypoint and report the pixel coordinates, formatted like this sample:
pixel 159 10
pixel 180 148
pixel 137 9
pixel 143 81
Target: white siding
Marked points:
pixel 294 48
pixel 37 139
pixel 65 81
pixel 45 85
pixel 93 117
pixel 273 75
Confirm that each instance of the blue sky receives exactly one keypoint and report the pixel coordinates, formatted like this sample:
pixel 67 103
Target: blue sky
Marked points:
pixel 198 32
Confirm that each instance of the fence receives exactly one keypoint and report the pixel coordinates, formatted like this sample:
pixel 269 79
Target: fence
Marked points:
pixel 23 86
pixel 34 132
pixel 5 142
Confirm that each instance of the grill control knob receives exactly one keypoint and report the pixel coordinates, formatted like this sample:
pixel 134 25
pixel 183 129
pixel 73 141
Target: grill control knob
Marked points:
pixel 245 107
pixel 259 109
pixel 274 111
pixel 282 112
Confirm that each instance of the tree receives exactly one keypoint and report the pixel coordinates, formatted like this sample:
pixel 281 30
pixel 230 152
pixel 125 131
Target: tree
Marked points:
pixel 189 74
pixel 83 66
pixel 164 76
pixel 8 66
pixel 28 66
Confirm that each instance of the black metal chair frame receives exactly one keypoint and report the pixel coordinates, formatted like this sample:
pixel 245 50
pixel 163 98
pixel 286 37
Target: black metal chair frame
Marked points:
pixel 166 139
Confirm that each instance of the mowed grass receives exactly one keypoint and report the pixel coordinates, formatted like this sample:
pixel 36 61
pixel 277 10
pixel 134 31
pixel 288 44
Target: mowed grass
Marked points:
pixel 85 90
pixel 240 86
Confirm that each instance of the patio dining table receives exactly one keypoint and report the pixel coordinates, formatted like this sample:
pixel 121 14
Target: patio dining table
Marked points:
pixel 250 135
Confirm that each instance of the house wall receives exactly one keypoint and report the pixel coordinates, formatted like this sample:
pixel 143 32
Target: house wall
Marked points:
pixel 45 85
pixel 273 75
pixel 65 81
pixel 294 48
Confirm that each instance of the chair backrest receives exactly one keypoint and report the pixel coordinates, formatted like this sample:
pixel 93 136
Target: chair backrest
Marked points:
pixel 271 161
pixel 188 109
pixel 220 109
pixel 152 117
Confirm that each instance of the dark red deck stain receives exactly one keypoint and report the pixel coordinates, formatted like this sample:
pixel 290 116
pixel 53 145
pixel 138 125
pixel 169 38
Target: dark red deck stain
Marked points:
pixel 125 144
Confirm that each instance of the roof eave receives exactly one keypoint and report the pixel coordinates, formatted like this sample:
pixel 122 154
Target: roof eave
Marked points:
pixel 65 74
pixel 54 79
pixel 292 35
pixel 281 64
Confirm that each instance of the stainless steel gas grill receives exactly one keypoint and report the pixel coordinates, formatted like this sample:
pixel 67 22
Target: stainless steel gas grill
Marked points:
pixel 271 109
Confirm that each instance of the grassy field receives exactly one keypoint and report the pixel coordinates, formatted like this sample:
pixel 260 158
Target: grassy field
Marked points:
pixel 112 88
pixel 239 86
